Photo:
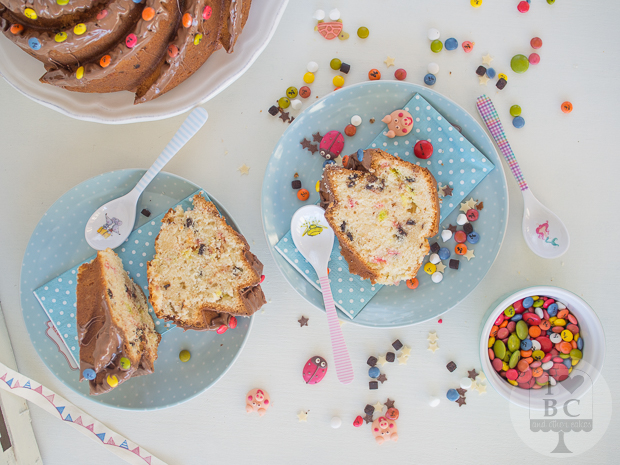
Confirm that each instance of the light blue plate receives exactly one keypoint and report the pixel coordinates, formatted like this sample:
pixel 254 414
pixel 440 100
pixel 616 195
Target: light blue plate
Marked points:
pixel 58 243
pixel 393 306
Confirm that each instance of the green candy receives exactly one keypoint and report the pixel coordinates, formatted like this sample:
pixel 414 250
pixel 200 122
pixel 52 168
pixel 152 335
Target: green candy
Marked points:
pixel 507 356
pixel 335 64
pixel 550 2
pixel 436 46
pixel 513 342
pixel 538 303
pixel 522 329
pixel 519 64
pixel 576 353
pixel 564 355
pixel 363 32
pixel 284 102
pixel 541 383
pixel 514 359
pixel 510 312
pixel 291 92
pixel 515 110
pixel 499 349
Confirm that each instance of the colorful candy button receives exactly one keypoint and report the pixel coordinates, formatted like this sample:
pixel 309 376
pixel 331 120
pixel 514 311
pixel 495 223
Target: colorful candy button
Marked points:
pixel 491 73
pixel 523 7
pixel 423 149
pixel 518 122
pixel 473 237
pixel 102 14
pixel 187 20
pixel 460 249
pixel 374 75
pixel 467 46
pixel 60 37
pixel 436 46
pixel 303 194
pixel 79 29
pixel 475 3
pixel 184 356
pixel 335 64
pixel 309 78
pixel 350 130
pixel 62 2
pixel 412 283
pixel 472 214
pixel 429 268
pixel 374 372
pixel 567 107
pixel 89 374
pixel 284 102
pixel 536 43
pixel 112 381
pixel 451 44
pixel 400 74
pixel 510 312
pixel 207 12
pixel 125 363
pixel 131 41
pixel 173 50
pixel 34 43
pixel 519 63
pixel 430 79
pixel 534 58
pixel 16 29
pixel 79 73
pixel 444 253
pixel 197 38
pixel 291 92
pixel 452 395
pixel 515 110
pixel 566 335
pixel 502 76
pixel 460 237
pixel 30 13
pixel 363 32
pixel 338 81
pixel 305 92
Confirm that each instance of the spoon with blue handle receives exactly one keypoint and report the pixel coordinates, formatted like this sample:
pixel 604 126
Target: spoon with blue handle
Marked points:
pixel 112 223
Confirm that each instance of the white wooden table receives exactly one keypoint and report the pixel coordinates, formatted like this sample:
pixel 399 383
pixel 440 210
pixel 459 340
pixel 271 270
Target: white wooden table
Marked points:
pixel 570 161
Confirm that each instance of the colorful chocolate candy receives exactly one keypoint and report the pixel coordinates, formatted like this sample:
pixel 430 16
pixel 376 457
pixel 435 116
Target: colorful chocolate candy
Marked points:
pixel 535 341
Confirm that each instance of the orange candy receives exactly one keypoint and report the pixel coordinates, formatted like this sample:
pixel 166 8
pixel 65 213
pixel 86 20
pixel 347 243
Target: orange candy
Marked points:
pixel 534 331
pixel 16 29
pixel 187 20
pixel 412 283
pixel 148 13
pixel 526 353
pixel 374 74
pixel 544 325
pixel 529 360
pixel 494 331
pixel 460 249
pixel 567 107
pixel 504 324
pixel 303 194
pixel 573 344
pixel 105 61
pixel 173 50
pixel 537 372
pixel 345 160
pixel 565 347
pixel 562 314
pixel 523 365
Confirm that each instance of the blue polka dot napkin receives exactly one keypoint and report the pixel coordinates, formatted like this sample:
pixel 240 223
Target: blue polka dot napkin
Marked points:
pixel 455 163
pixel 58 296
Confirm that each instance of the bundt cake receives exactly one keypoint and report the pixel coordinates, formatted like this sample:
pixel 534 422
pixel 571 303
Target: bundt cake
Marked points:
pixel 143 46
pixel 116 333
pixel 203 270
pixel 382 209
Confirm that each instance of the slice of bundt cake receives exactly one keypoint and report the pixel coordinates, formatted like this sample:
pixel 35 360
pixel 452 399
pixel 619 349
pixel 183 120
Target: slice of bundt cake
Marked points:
pixel 116 334
pixel 382 210
pixel 202 268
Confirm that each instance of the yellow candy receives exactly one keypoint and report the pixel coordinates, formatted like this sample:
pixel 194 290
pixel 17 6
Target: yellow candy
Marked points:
pixel 338 81
pixel 567 335
pixel 318 186
pixel 184 356
pixel 560 322
pixel 309 78
pixel 60 37
pixel 505 78
pixel 534 297
pixel 552 319
pixel 30 13
pixel 197 38
pixel 511 381
pixel 430 268
pixel 538 355
pixel 575 361
pixel 476 3
pixel 62 2
pixel 569 370
pixel 112 380
pixel 505 366
pixel 79 74
pixel 491 341
pixel 79 29
pixel 576 337
pixel 125 363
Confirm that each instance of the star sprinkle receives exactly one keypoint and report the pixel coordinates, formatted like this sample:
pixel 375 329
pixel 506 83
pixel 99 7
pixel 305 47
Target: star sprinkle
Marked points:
pixel 316 137
pixel 482 80
pixel 432 336
pixel 341 322
pixel 378 407
pixel 303 321
pixel 472 374
pixel 284 116
pixel 389 403
pixel 406 351
pixel 471 203
pixel 482 389
pixel 447 190
pixel 402 359
pixel 440 267
pixel 313 149
pixel 481 377
pixel 306 143
pixel 470 254
pixel 382 378
pixel 368 418
pixel 389 61
pixel 244 169
pixel 461 391
pixel 452 228
pixel 464 208
pixel 433 347
pixel 381 360
pixel 461 401
pixel 302 416
pixel 487 59
pixel 474 386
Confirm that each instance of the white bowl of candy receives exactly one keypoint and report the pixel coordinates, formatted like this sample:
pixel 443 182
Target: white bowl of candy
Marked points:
pixel 539 343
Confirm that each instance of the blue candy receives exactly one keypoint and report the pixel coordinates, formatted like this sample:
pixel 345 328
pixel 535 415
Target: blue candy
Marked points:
pixel 430 79
pixel 451 44
pixel 452 395
pixel 374 372
pixel 491 73
pixel 360 154
pixel 328 162
pixel 518 122
pixel 526 344
pixel 567 363
pixel 552 309
pixel 444 253
pixel 517 317
pixel 473 237
pixel 580 343
pixel 528 302
pixel 34 43
pixel 89 374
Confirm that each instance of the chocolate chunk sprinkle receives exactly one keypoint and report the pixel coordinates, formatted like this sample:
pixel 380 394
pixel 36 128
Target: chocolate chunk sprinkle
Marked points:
pixel 273 111
pixel 481 71
pixel 372 385
pixel 454 264
pixel 372 360
pixel 390 357
pixel 296 184
pixel 369 409
pixel 201 249
pixel 468 228
pixel 435 247
pixel 146 212
pixel 397 344
pixel 451 366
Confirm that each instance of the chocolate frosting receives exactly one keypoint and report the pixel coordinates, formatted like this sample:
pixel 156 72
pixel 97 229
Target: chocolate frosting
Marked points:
pixel 49 9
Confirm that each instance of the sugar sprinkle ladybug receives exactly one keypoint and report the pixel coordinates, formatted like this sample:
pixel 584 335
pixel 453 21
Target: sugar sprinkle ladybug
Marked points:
pixel 331 145
pixel 399 122
pixel 314 370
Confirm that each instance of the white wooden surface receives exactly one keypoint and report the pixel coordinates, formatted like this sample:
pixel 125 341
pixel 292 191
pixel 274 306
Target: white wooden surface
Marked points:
pixel 570 161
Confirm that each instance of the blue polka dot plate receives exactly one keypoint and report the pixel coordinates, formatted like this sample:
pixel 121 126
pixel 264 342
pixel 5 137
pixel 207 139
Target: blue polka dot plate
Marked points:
pixel 392 306
pixel 58 244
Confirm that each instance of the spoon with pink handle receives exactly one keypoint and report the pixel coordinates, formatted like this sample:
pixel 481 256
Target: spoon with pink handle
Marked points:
pixel 543 231
pixel 314 239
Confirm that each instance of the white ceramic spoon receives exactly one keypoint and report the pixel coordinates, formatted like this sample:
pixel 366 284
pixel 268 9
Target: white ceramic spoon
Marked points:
pixel 543 231
pixel 112 223
pixel 314 239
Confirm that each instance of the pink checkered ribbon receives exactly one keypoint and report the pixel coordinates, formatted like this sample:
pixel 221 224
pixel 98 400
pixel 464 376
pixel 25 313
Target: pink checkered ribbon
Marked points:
pixel 491 118
pixel 344 368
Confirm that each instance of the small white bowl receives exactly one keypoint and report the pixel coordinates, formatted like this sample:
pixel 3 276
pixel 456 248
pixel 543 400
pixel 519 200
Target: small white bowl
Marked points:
pixel 593 352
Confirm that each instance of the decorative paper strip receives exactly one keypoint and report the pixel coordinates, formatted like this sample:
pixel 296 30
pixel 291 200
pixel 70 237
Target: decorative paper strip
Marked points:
pixel 24 387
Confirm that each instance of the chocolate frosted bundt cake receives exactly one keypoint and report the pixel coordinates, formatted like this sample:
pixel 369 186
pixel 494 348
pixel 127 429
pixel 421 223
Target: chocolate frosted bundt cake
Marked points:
pixel 116 333
pixel 382 209
pixel 143 46
pixel 203 270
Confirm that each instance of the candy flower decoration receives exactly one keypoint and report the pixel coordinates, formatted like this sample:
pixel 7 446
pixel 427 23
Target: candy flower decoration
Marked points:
pixel 400 123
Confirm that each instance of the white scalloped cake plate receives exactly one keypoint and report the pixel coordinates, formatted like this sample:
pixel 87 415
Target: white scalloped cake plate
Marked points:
pixel 392 306
pixel 57 243
pixel 22 72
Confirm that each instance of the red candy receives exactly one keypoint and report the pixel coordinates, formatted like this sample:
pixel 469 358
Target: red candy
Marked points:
pixel 523 7
pixel 207 12
pixel 423 149
pixel 304 92
pixel 358 421
pixel 518 306
pixel 524 376
pixel 531 319
pixel 497 364
pixel 499 320
pixel 472 215
pixel 400 74
pixel 503 333
pixel 460 237
pixel 131 41
pixel 512 374
pixel 350 130
pixel 222 329
pixel 102 14
pixel 232 323
pixel 545 343
pixel 548 302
